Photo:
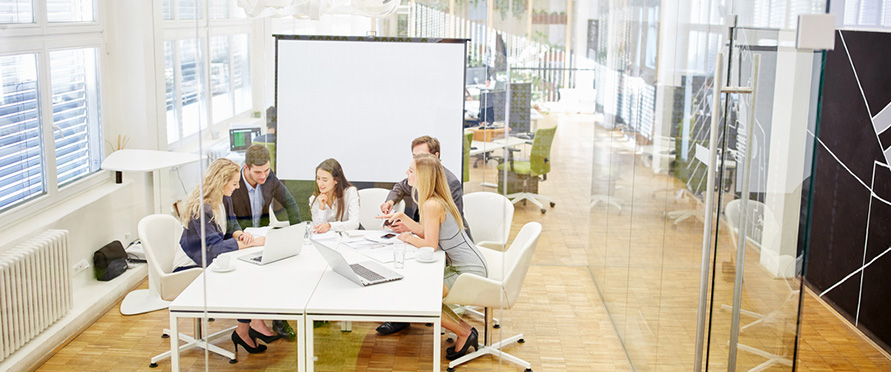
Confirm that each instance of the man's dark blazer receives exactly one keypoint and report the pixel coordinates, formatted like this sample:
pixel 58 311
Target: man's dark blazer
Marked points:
pixel 273 191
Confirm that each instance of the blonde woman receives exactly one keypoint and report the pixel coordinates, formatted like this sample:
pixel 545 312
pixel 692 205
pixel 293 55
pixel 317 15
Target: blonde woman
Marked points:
pixel 441 227
pixel 334 203
pixel 221 234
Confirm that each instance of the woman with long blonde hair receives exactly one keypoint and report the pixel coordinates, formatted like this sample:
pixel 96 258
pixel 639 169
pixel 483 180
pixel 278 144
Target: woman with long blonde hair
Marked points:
pixel 441 227
pixel 221 234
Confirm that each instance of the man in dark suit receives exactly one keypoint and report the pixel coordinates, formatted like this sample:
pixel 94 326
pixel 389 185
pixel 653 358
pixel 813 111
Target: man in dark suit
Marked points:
pixel 258 188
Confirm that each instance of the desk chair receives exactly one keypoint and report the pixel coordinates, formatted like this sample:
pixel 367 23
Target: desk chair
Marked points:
pixel 370 201
pixel 465 169
pixel 489 216
pixel 500 289
pixel 539 165
pixel 160 235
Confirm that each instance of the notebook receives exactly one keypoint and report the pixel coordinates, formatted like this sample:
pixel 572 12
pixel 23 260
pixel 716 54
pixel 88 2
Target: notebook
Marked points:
pixel 280 244
pixel 363 273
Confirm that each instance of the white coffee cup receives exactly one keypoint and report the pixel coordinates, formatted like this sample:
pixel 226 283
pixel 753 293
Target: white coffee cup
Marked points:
pixel 223 262
pixel 425 253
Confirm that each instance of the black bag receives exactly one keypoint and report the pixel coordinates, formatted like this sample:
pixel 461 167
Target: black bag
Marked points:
pixel 110 261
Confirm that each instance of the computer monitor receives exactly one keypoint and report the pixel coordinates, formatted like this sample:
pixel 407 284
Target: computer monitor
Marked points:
pixel 241 138
pixel 475 75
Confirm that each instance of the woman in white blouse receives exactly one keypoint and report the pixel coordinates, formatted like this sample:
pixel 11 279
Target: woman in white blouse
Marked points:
pixel 335 202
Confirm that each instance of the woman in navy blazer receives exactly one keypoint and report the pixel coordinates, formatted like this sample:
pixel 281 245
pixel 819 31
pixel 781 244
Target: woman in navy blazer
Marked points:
pixel 222 234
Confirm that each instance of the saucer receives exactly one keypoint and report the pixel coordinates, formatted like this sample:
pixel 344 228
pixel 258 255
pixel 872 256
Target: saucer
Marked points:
pixel 215 268
pixel 419 259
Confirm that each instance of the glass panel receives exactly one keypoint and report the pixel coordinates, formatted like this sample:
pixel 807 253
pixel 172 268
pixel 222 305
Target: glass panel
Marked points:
pixel 219 9
pixel 21 167
pixel 167 9
pixel 76 125
pixel 16 11
pixel 220 84
pixel 190 87
pixel 70 10
pixel 191 9
pixel 171 77
pixel 241 73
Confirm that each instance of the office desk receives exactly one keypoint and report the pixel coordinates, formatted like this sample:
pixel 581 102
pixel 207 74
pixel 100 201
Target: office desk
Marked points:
pixel 314 292
pixel 417 298
pixel 252 292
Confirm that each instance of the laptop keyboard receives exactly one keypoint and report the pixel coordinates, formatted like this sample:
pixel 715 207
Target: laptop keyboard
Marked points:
pixel 365 273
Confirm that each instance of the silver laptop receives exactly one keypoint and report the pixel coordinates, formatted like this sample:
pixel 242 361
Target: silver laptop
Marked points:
pixel 363 273
pixel 280 244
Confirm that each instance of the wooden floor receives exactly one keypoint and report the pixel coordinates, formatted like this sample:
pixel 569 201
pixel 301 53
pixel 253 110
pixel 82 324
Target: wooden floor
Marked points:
pixel 605 287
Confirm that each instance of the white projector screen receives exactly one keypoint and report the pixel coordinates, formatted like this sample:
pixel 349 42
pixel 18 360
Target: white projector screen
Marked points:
pixel 363 102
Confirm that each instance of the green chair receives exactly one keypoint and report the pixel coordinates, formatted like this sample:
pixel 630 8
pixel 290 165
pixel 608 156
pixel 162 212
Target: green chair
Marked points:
pixel 536 168
pixel 468 140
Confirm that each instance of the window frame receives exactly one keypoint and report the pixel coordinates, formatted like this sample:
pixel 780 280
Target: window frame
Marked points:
pixel 41 38
pixel 204 30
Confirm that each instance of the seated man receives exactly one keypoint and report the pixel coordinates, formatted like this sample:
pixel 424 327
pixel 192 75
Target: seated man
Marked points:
pixel 258 188
pixel 402 191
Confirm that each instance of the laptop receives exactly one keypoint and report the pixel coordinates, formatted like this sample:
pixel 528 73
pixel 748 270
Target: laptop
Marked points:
pixel 280 244
pixel 363 273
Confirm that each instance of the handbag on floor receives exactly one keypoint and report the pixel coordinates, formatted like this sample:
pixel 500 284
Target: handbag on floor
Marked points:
pixel 110 261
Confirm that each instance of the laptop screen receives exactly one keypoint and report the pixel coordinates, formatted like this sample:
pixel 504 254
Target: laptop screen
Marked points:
pixel 241 138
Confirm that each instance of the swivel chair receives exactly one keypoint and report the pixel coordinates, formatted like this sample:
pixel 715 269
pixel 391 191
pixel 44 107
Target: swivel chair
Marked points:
pixel 538 166
pixel 160 234
pixel 465 169
pixel 489 216
pixel 500 289
pixel 370 200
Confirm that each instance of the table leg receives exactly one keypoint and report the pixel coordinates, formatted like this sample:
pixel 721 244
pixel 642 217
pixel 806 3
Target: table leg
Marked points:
pixel 301 344
pixel 308 351
pixel 437 343
pixel 174 343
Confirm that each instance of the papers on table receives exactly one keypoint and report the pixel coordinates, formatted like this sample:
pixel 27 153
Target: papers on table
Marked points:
pixel 382 253
pixel 330 234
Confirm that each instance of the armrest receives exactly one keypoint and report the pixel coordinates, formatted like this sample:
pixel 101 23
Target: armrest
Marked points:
pixel 470 289
pixel 173 284
pixel 495 246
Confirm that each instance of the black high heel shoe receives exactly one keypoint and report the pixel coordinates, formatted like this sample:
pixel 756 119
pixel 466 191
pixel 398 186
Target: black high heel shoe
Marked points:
pixel 267 339
pixel 472 340
pixel 236 340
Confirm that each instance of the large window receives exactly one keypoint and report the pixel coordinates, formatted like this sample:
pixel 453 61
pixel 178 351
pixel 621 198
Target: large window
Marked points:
pixel 50 123
pixel 222 73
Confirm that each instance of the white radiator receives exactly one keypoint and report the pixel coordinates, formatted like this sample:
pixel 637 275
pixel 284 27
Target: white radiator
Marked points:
pixel 35 288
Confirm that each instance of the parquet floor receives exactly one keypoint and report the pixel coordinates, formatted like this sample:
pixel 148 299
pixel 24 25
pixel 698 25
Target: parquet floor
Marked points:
pixel 646 270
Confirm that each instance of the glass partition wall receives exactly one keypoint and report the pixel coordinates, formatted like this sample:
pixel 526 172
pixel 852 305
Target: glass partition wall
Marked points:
pixel 703 132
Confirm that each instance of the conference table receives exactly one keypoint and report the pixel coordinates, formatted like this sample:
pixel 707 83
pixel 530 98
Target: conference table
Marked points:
pixel 303 288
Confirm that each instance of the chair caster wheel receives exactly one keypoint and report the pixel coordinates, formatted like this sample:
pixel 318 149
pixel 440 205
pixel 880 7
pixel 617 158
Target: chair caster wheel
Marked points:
pixel 521 341
pixel 165 336
pixel 153 365
pixel 528 370
pixel 553 204
pixel 496 326
pixel 543 211
pixel 233 361
pixel 210 319
pixel 428 324
pixel 450 370
pixel 524 203
pixel 450 340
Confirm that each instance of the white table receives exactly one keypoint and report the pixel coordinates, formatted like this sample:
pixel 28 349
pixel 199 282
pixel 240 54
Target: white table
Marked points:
pixel 279 290
pixel 313 292
pixel 480 147
pixel 417 298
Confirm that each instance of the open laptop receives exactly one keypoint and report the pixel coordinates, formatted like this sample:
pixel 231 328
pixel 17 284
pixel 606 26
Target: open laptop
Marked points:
pixel 280 244
pixel 363 273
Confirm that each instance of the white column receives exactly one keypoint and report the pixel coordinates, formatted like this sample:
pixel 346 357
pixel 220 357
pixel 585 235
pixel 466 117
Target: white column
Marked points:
pixel 788 143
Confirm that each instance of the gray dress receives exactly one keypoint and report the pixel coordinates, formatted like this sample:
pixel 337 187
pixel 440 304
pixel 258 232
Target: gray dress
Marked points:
pixel 462 256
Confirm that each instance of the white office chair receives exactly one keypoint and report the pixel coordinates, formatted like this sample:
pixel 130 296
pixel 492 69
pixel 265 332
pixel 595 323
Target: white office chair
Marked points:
pixel 490 216
pixel 370 201
pixel 500 289
pixel 160 234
